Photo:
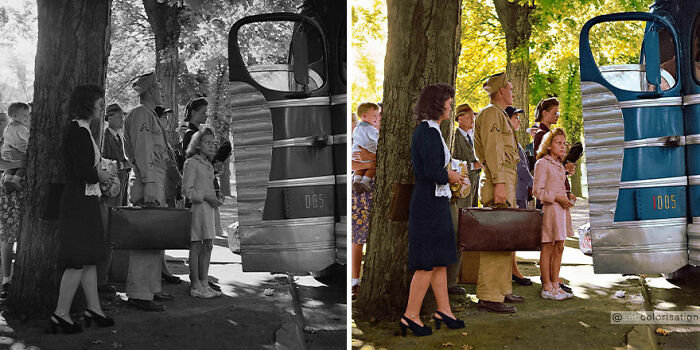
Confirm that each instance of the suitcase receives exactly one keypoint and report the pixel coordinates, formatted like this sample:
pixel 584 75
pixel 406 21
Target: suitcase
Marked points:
pixel 139 228
pixel 400 201
pixel 499 229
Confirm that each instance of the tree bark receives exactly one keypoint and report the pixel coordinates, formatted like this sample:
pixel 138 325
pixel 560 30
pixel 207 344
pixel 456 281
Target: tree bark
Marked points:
pixel 422 48
pixel 515 21
pixel 72 49
pixel 164 20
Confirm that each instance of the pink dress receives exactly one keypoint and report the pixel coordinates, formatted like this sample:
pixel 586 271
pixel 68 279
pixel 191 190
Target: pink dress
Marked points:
pixel 549 183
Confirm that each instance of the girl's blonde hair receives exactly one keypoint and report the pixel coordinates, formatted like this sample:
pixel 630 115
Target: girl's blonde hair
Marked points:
pixel 192 148
pixel 545 105
pixel 547 141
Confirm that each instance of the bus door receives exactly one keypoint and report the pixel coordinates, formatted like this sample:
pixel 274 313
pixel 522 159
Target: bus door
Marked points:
pixel 691 102
pixel 279 101
pixel 634 135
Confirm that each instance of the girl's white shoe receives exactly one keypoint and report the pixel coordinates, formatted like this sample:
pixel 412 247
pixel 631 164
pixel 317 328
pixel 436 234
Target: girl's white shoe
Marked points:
pixel 213 291
pixel 201 293
pixel 552 295
pixel 565 293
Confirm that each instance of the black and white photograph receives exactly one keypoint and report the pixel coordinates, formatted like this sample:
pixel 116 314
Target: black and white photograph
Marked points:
pixel 174 174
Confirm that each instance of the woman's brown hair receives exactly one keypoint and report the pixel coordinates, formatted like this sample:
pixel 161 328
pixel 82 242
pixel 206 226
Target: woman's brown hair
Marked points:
pixel 431 102
pixel 545 105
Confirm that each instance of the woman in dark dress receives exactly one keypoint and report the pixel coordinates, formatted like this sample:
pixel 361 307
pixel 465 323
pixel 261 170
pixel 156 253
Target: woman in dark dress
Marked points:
pixel 81 238
pixel 431 237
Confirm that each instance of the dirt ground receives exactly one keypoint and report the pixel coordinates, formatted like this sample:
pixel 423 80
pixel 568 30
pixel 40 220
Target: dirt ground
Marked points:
pixel 579 323
pixel 243 318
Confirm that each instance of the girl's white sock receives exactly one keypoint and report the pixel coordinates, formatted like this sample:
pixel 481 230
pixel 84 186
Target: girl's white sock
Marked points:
pixel 5 279
pixel 366 179
pixel 355 281
pixel 356 178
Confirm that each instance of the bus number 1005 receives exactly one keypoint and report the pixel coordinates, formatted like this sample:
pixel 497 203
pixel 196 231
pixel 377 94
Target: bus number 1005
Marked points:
pixel 314 201
pixel 664 202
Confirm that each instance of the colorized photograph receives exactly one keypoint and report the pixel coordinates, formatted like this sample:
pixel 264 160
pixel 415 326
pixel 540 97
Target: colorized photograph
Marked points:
pixel 525 174
pixel 174 174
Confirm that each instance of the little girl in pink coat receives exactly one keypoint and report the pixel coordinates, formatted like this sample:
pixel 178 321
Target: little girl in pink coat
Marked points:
pixel 198 187
pixel 549 189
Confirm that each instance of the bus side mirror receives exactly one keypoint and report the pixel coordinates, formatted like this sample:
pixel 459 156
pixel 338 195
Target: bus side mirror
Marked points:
pixel 652 58
pixel 300 58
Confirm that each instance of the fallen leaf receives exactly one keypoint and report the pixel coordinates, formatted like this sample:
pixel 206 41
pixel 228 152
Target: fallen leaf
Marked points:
pixel 584 324
pixel 661 331
pixel 117 345
pixel 459 309
pixel 467 347
pixel 448 344
pixel 234 323
pixel 463 334
pixel 372 319
pixel 97 341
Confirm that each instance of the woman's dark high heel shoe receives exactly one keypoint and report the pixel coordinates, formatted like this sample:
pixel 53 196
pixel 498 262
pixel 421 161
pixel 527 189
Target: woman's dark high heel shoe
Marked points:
pixel 101 321
pixel 452 323
pixel 68 328
pixel 417 330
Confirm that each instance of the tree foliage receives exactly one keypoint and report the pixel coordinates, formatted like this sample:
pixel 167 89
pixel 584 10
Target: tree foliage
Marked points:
pixel 553 50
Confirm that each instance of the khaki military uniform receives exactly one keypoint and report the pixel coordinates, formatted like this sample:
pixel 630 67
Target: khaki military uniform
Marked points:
pixel 147 149
pixel 496 146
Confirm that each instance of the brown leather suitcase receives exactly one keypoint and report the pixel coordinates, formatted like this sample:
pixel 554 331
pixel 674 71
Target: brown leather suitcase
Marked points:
pixel 138 228
pixel 400 201
pixel 499 229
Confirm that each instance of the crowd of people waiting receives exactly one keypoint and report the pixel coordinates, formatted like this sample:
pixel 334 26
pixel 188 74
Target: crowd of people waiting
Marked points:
pixel 137 163
pixel 500 173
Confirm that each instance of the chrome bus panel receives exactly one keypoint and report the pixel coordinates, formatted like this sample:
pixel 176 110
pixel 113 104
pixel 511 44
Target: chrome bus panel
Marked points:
pixel 694 242
pixel 655 142
pixel 302 102
pixel 305 181
pixel 650 246
pixel 656 102
pixel 341 240
pixel 645 246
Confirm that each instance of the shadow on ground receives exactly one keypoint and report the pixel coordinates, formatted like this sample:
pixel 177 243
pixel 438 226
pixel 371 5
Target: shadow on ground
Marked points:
pixel 243 318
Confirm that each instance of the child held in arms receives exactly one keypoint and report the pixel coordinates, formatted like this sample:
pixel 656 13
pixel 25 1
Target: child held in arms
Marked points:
pixel 365 137
pixel 15 137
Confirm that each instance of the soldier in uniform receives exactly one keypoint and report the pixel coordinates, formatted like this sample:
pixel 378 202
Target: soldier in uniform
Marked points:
pixel 463 149
pixel 147 149
pixel 496 146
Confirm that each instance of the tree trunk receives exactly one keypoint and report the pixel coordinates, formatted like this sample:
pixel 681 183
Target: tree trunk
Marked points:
pixel 515 21
pixel 220 122
pixel 164 20
pixel 423 48
pixel 72 49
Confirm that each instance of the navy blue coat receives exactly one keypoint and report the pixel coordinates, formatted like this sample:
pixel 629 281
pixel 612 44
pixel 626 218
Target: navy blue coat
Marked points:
pixel 431 237
pixel 525 180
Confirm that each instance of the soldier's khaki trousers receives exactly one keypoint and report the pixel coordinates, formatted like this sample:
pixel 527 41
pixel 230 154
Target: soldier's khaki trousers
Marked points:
pixel 495 269
pixel 143 277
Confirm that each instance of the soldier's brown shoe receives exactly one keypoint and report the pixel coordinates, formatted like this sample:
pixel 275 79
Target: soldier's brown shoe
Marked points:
pixel 513 299
pixel 492 306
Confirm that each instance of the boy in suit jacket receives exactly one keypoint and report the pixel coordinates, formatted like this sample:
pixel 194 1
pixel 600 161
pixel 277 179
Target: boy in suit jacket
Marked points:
pixel 113 148
pixel 463 149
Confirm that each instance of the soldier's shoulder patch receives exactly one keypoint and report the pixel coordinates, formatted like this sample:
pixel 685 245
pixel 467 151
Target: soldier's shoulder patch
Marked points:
pixel 145 127
pixel 495 128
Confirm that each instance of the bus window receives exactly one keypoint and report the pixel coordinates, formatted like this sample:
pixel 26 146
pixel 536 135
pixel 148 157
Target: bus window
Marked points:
pixel 618 50
pixel 695 55
pixel 267 50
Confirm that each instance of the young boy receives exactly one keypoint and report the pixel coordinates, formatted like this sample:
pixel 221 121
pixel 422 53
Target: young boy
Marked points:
pixel 365 136
pixel 15 137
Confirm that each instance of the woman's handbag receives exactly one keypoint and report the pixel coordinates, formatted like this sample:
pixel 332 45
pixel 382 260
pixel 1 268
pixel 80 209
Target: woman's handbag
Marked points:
pixel 400 201
pixel 499 229
pixel 140 228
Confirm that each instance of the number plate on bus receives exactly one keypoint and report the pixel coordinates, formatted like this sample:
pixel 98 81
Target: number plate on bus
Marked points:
pixel 308 201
